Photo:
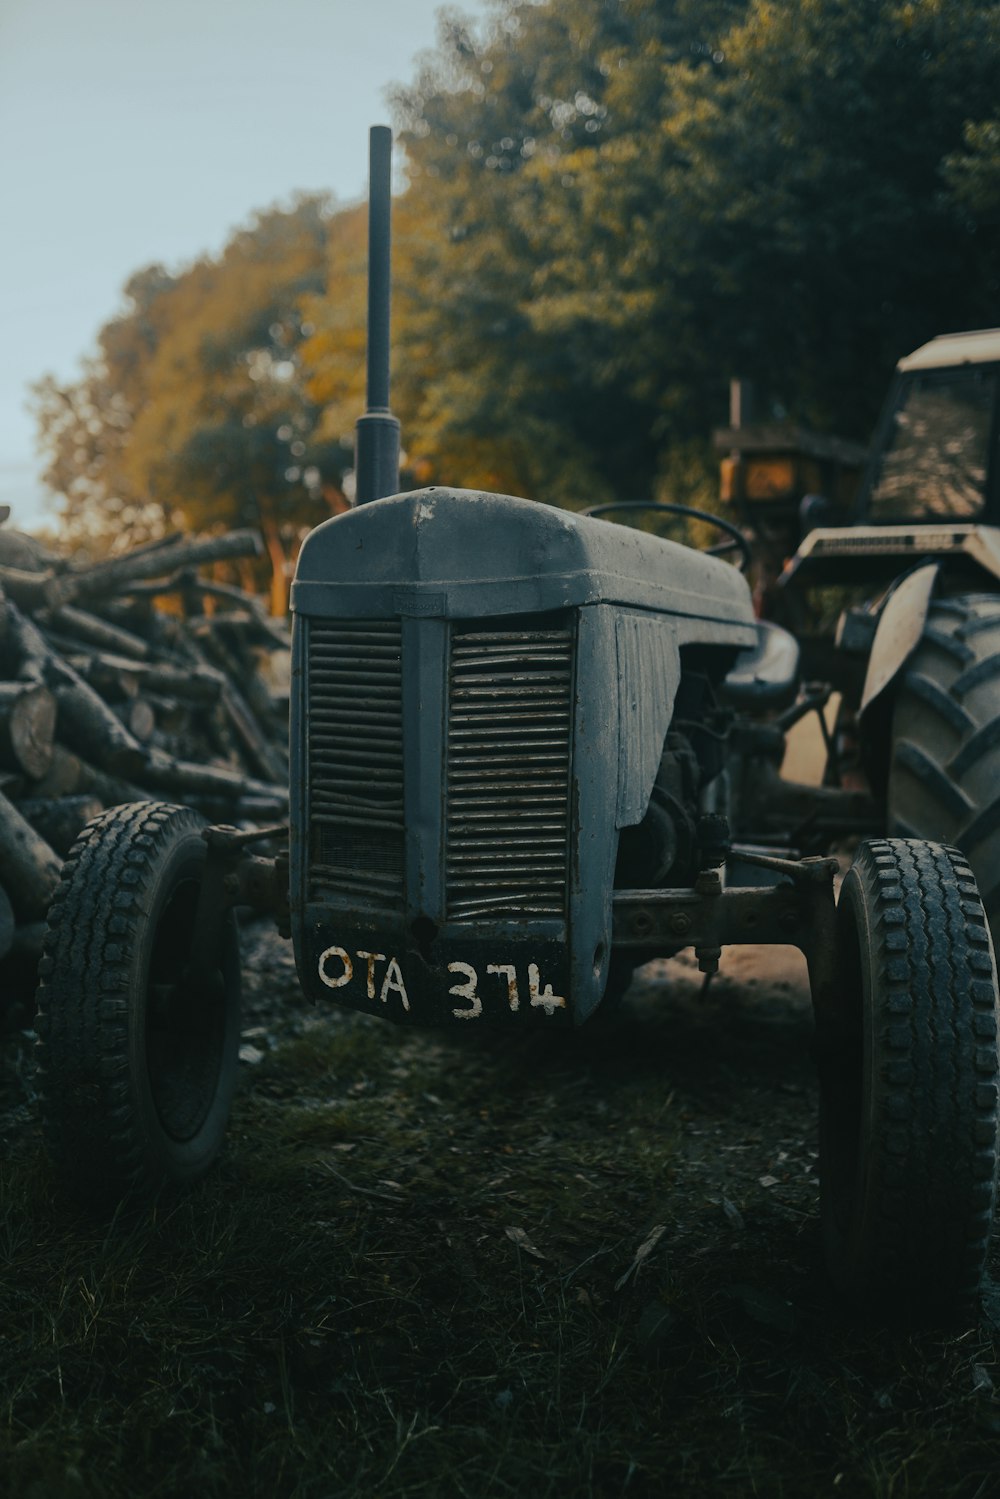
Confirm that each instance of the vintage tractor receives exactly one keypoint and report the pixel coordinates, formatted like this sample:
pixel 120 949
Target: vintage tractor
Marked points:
pixel 531 749
pixel 912 569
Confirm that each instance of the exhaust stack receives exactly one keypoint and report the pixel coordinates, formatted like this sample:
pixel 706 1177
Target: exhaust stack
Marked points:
pixel 376 443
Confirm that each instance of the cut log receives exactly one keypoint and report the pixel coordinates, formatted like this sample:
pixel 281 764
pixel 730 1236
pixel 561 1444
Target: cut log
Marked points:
pixel 19 550
pixel 62 777
pixel 34 590
pixel 263 755
pixel 115 675
pixel 87 724
pixel 29 868
pixel 172 583
pixel 172 716
pixel 138 717
pixel 165 773
pixel 91 628
pixel 114 576
pixel 274 629
pixel 27 646
pixel 240 669
pixel 27 727
pixel 199 684
pixel 7 923
pixel 69 775
pixel 59 820
pixel 164 632
pixel 84 721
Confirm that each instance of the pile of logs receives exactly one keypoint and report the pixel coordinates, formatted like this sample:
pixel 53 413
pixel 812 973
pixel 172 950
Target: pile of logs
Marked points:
pixel 106 697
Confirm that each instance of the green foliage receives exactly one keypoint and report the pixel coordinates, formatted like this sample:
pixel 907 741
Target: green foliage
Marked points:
pixel 635 202
pixel 974 171
pixel 814 228
pixel 521 290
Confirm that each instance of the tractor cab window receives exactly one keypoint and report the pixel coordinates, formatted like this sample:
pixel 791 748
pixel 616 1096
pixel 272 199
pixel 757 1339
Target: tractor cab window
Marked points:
pixel 935 458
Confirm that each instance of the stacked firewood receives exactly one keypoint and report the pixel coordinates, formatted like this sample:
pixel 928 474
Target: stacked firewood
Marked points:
pixel 133 678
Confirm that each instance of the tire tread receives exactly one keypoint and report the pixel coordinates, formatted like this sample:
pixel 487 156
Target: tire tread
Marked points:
pixel 921 1230
pixel 89 1122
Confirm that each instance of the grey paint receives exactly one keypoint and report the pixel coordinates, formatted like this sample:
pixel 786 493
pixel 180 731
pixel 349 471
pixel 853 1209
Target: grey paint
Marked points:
pixel 437 555
pixel 458 553
pixel 648 670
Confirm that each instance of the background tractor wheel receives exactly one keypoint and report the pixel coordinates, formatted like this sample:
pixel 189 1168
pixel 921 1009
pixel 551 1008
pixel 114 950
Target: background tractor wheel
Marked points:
pixel 909 1100
pixel 944 776
pixel 137 1055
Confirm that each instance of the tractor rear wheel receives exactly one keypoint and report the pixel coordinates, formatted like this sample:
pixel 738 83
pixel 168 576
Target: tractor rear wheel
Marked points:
pixel 137 1053
pixel 944 775
pixel 909 1114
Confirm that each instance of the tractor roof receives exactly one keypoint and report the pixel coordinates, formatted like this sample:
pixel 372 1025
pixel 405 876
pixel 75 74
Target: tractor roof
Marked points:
pixel 979 347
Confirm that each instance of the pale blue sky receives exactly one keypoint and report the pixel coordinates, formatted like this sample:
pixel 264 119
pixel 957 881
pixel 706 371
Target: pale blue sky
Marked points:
pixel 142 130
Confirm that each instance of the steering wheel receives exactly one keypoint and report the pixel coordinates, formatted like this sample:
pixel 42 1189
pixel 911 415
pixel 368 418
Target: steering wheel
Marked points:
pixel 737 541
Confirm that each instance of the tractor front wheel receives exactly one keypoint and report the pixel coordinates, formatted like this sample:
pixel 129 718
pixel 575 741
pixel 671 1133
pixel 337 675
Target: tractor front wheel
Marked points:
pixel 909 1103
pixel 137 1053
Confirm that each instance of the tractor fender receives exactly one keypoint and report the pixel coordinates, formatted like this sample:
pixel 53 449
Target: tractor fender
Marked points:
pixel 899 631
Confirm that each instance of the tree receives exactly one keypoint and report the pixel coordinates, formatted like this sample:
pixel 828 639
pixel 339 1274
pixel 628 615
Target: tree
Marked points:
pixel 816 234
pixel 510 354
pixel 194 410
pixel 632 202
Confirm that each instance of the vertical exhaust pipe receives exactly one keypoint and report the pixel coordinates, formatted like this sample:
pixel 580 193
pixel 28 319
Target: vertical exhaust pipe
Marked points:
pixel 376 443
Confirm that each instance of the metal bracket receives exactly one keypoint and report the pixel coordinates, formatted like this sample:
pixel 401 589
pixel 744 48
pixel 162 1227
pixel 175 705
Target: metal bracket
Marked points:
pixel 233 877
pixel 799 912
pixel 225 838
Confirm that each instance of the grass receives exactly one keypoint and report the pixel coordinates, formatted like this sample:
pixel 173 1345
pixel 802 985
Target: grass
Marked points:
pixel 430 1266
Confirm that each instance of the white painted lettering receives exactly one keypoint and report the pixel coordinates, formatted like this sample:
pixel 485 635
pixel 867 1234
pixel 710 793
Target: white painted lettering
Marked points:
pixel 394 981
pixel 466 991
pixel 513 998
pixel 373 958
pixel 342 957
pixel 544 998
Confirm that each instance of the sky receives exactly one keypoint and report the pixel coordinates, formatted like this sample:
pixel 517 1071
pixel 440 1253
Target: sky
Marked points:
pixel 136 131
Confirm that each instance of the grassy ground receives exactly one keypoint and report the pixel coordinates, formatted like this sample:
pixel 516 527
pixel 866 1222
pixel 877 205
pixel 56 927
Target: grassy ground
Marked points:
pixel 480 1265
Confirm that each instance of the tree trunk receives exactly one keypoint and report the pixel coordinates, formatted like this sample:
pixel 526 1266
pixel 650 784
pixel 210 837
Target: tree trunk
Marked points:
pixel 278 560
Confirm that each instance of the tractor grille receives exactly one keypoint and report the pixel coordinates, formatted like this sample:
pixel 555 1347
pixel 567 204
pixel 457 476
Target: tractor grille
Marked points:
pixel 509 723
pixel 356 759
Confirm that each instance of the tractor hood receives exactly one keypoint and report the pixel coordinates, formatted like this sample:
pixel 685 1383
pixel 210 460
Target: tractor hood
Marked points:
pixel 461 553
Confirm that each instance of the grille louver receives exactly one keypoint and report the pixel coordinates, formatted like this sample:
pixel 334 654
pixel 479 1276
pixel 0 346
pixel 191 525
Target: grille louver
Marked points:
pixel 356 759
pixel 509 734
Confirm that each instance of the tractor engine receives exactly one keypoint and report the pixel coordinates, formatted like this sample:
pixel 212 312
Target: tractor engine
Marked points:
pixel 484 743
